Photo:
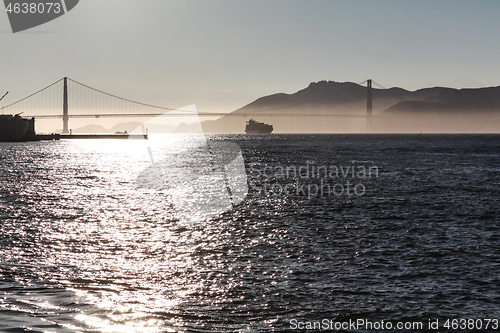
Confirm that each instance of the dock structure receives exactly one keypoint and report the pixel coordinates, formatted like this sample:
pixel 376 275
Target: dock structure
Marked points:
pixel 32 136
pixel 104 136
pixel 56 136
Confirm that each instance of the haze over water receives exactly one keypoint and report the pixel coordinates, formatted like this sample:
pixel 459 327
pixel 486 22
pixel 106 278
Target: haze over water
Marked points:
pixel 83 249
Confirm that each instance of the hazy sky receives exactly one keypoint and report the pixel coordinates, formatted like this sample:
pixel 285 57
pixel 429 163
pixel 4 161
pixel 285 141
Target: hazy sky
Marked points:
pixel 223 54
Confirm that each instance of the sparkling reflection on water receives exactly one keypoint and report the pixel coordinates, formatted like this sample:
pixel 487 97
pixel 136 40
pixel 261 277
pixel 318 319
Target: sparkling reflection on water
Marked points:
pixel 75 221
pixel 84 250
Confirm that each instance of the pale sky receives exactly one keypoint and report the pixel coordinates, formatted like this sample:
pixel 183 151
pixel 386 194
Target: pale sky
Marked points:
pixel 223 54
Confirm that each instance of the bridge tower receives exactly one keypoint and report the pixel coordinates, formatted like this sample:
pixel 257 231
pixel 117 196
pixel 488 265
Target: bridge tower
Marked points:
pixel 65 107
pixel 369 105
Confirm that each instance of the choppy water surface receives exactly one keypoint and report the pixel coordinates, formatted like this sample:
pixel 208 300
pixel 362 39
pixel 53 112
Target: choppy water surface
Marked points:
pixel 82 249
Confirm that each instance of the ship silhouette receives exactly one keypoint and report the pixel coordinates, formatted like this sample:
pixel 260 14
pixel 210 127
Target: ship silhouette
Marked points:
pixel 258 127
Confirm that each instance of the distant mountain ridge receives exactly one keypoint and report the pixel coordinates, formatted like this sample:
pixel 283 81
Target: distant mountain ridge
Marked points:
pixel 309 110
pixel 331 96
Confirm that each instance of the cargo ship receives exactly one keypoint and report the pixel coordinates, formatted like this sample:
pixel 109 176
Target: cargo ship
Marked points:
pixel 258 127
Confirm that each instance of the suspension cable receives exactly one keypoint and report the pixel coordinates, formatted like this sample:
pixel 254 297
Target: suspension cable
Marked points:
pixel 39 91
pixel 127 100
pixel 379 85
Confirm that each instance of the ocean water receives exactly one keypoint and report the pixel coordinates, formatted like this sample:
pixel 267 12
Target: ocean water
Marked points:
pixel 333 229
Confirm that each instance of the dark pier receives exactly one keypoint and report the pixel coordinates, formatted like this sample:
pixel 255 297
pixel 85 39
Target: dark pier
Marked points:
pixel 32 136
pixel 51 137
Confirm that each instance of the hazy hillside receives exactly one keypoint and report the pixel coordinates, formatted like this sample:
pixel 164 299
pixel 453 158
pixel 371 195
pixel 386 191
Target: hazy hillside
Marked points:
pixel 310 110
pixel 446 110
pixel 451 100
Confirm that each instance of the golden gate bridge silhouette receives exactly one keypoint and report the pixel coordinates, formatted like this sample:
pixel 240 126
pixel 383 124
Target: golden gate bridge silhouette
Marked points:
pixel 89 102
